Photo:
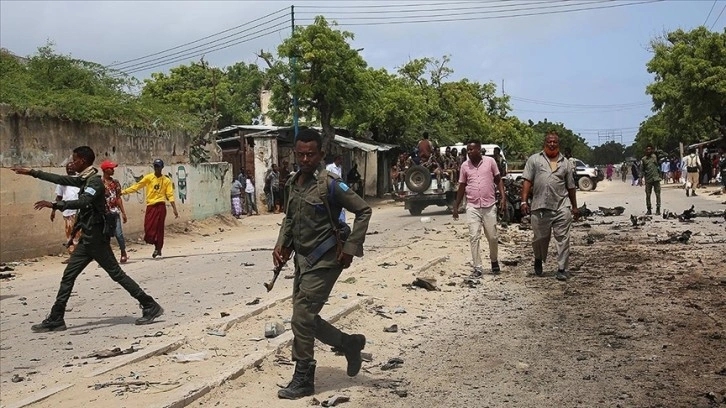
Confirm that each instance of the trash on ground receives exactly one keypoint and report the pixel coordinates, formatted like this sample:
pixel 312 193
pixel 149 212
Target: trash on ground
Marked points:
pixel 392 363
pixel 274 329
pixel 333 401
pixel 216 332
pixel 187 358
pixel 108 353
pixel 253 302
pixel 391 329
pixel 426 283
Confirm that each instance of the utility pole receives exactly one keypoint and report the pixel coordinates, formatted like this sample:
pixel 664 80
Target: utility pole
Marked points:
pixel 294 77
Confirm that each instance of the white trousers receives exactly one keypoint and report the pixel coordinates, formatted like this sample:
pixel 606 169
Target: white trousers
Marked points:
pixel 486 219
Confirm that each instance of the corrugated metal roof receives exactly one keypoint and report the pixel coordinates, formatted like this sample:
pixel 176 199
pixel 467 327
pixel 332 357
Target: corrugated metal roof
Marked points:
pixel 366 147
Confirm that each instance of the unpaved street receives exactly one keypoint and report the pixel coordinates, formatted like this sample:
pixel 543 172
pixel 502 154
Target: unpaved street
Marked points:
pixel 639 323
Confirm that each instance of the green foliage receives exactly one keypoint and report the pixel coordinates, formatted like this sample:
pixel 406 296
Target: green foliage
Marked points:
pixel 50 84
pixel 608 153
pixel 689 90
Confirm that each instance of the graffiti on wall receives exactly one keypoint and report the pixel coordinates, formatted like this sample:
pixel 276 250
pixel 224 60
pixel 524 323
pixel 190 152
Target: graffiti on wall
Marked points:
pixel 181 176
pixel 129 180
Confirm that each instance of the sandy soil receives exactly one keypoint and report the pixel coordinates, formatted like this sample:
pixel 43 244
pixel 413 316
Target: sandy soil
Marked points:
pixel 638 324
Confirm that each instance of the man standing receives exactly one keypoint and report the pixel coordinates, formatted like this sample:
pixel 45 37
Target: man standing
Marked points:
pixel 315 197
pixel 665 168
pixel 68 193
pixel 624 171
pixel 651 173
pixel 251 201
pixel 236 195
pixel 501 163
pixel 159 189
pixel 115 204
pixel 549 175
pixel 94 245
pixel 336 167
pixel 425 148
pixel 693 166
pixel 477 179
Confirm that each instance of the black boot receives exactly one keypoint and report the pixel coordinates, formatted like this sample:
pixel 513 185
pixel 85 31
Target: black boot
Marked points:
pixel 352 345
pixel 54 322
pixel 657 210
pixel 150 311
pixel 648 212
pixel 303 381
pixel 538 267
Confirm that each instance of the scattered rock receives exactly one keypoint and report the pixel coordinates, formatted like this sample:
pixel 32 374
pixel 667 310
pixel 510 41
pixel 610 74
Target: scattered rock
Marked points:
pixel 392 363
pixel 108 353
pixel 253 302
pixel 17 378
pixel 274 329
pixel 425 283
pixel 399 310
pixel 188 358
pixel 333 401
pixel 223 314
pixel 215 332
pixel 391 329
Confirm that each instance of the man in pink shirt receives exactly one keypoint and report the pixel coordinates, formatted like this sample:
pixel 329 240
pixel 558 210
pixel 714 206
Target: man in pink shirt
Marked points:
pixel 477 178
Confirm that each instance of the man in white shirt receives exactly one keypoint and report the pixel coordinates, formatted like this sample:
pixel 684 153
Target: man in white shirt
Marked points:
pixel 68 193
pixel 251 202
pixel 693 166
pixel 336 167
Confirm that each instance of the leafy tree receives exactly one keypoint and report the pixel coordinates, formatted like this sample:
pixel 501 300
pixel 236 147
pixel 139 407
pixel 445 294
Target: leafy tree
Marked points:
pixel 608 153
pixel 689 91
pixel 328 75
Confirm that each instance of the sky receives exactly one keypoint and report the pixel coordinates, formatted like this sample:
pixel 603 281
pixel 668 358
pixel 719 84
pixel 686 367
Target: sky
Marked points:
pixel 586 69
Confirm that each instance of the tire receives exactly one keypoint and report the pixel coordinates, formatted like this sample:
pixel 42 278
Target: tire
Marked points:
pixel 415 209
pixel 418 179
pixel 585 184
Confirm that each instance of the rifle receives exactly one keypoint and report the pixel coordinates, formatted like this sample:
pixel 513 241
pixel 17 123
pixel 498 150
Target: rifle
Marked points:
pixel 74 231
pixel 275 273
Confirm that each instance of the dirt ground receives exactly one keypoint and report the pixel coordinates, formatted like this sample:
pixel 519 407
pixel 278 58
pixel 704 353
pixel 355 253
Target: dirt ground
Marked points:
pixel 638 324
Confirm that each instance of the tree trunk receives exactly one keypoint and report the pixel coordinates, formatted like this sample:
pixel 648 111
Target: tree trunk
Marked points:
pixel 326 116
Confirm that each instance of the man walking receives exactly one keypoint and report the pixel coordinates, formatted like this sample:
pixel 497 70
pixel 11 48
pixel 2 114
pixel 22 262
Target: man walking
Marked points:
pixel 115 204
pixel 159 189
pixel 477 178
pixel 693 167
pixel 548 174
pixel 68 193
pixel 309 228
pixel 650 170
pixel 94 245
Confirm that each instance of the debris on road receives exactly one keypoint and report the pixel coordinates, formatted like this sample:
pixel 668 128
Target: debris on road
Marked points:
pixel 253 302
pixel 128 384
pixel 274 329
pixel 7 275
pixel 391 329
pixel 187 358
pixel 425 283
pixel 333 401
pixel 215 332
pixel 392 363
pixel 17 378
pixel 223 314
pixel 108 353
pixel 609 212
pixel 683 238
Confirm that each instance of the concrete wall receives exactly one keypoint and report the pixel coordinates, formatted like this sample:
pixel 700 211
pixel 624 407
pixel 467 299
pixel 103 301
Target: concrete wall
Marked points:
pixel 265 156
pixel 199 192
pixel 368 169
pixel 48 142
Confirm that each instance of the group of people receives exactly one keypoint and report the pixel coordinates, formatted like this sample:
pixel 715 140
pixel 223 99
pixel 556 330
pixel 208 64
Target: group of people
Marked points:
pixel 243 195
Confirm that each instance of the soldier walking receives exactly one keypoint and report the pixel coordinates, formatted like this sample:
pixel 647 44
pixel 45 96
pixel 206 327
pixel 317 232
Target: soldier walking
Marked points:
pixel 95 242
pixel 650 171
pixel 311 228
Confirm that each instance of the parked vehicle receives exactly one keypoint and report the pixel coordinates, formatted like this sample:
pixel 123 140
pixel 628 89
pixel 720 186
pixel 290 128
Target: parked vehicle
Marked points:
pixel 587 177
pixel 421 190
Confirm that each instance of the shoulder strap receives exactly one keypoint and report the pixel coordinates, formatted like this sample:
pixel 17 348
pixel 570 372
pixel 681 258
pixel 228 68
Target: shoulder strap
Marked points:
pixel 326 192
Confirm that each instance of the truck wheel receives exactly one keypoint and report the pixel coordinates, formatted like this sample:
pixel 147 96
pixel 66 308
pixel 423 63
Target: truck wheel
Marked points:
pixel 418 179
pixel 415 209
pixel 585 184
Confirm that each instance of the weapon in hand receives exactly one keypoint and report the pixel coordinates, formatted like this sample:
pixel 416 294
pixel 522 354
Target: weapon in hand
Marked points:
pixel 275 273
pixel 74 231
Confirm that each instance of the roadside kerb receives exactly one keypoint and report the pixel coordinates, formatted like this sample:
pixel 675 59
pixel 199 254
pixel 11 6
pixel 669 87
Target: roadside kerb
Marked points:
pixel 134 358
pixel 193 392
pixel 40 396
pixel 228 323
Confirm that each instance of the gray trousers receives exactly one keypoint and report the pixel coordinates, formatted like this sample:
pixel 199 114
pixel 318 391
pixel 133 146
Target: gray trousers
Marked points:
pixel 546 223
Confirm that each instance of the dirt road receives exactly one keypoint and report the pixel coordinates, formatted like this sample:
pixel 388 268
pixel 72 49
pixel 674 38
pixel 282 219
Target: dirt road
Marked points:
pixel 639 323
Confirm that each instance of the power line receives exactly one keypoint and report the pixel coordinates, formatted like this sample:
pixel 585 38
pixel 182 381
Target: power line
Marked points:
pixel 222 46
pixel 495 17
pixel 489 6
pixel 719 16
pixel 351 6
pixel 126 63
pixel 709 12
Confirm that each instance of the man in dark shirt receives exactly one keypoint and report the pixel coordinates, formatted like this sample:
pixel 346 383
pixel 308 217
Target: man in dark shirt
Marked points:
pixel 95 242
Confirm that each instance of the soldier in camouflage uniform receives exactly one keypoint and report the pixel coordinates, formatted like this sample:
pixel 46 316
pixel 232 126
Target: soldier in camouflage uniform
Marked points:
pixel 315 198
pixel 95 243
pixel 650 170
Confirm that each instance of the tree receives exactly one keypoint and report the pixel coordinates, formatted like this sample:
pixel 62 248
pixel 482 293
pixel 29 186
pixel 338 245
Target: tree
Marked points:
pixel 608 153
pixel 328 74
pixel 689 89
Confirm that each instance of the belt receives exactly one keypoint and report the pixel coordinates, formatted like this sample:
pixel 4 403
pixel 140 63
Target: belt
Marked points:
pixel 321 250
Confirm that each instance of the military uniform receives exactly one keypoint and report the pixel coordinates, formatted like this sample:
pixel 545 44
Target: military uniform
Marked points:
pixel 650 169
pixel 306 226
pixel 94 245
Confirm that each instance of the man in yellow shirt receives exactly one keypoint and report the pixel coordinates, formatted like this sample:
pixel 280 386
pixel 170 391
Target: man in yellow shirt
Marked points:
pixel 159 189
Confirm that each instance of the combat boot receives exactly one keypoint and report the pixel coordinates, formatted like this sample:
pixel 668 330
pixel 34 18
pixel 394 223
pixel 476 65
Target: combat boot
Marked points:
pixel 303 381
pixel 51 323
pixel 657 210
pixel 352 345
pixel 150 312
pixel 648 212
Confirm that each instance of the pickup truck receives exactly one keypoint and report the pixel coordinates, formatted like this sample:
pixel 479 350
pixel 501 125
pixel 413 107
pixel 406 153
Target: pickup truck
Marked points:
pixel 586 177
pixel 420 190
